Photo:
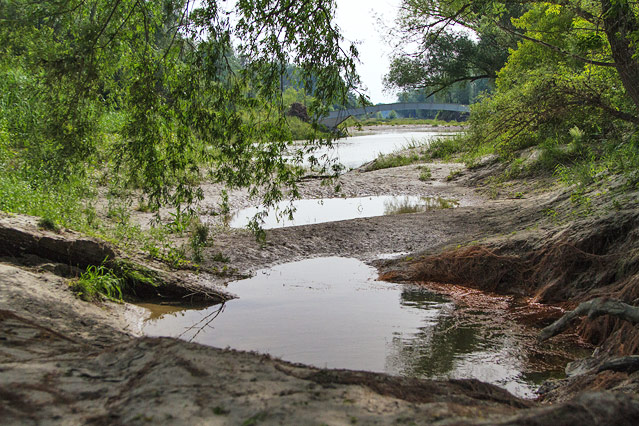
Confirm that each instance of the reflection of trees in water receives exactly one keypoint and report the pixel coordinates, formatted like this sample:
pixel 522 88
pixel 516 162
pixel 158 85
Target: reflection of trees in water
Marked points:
pixel 420 297
pixel 432 351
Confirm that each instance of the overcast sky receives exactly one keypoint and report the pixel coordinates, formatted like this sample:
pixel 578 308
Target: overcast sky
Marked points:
pixel 358 20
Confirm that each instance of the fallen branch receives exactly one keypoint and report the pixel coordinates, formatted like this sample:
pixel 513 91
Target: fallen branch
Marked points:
pixel 627 364
pixel 593 308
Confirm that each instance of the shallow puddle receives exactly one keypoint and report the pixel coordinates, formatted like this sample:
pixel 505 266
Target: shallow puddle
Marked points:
pixel 330 312
pixel 312 211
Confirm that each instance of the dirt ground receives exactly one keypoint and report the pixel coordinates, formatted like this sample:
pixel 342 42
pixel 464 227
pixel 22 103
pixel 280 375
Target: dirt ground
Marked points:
pixel 64 361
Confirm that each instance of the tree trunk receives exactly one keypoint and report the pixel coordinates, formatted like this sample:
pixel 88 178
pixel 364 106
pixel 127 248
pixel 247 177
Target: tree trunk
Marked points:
pixel 620 23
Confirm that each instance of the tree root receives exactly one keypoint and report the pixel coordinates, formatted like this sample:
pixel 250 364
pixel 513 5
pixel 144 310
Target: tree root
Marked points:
pixel 593 308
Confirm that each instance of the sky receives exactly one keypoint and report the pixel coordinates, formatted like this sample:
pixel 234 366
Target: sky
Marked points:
pixel 358 21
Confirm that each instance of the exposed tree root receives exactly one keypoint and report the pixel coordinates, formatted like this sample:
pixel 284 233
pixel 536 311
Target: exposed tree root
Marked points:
pixel 545 272
pixel 593 309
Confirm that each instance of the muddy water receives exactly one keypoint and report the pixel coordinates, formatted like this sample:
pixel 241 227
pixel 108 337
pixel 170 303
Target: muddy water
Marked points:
pixel 310 211
pixel 330 312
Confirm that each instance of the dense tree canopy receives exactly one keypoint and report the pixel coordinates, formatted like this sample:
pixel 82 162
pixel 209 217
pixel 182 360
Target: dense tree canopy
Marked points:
pixel 557 65
pixel 602 33
pixel 436 51
pixel 157 92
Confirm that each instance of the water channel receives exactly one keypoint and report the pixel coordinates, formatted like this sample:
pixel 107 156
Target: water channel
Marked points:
pixel 310 211
pixel 332 312
pixel 354 151
pixel 351 152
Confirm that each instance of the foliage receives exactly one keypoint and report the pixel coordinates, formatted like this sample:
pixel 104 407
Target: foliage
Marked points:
pixel 572 34
pixel 445 147
pixel 98 281
pixel 65 204
pixel 425 174
pixel 566 97
pixel 301 131
pixel 198 239
pixel 157 94
pixel 459 93
pixel 385 161
pixel 442 57
pixel 453 174
pixel 49 224
pixel 406 205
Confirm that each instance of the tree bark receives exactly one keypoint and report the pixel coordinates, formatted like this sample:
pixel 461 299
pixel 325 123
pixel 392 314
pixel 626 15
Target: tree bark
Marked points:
pixel 619 25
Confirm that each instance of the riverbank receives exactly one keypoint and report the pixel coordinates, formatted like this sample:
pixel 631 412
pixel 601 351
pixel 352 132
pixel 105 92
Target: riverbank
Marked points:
pixel 68 361
pixel 393 127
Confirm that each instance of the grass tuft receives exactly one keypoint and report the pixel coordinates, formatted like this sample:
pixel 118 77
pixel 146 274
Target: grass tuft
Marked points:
pixel 97 282
pixel 426 174
pixel 392 160
pixel 406 205
pixel 49 224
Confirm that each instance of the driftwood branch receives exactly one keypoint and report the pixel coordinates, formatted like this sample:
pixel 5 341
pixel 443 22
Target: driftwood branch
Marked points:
pixel 627 364
pixel 593 308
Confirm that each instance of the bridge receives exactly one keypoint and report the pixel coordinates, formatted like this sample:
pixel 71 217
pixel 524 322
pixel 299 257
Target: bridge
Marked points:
pixel 335 118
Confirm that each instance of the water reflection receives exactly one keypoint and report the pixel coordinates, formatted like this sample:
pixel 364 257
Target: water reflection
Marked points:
pixel 330 312
pixel 402 205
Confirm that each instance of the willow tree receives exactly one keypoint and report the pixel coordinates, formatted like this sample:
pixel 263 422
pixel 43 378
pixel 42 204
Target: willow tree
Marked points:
pixel 197 89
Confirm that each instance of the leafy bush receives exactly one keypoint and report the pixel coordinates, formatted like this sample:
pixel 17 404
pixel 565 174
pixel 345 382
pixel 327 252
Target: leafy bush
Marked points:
pixel 301 130
pixel 198 239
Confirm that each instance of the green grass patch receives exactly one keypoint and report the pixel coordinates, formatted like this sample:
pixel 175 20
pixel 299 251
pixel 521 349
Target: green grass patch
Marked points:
pixel 115 280
pixel 98 281
pixel 67 204
pixel 301 130
pixel 406 205
pixel 446 147
pixel 453 174
pixel 385 161
pixel 425 173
